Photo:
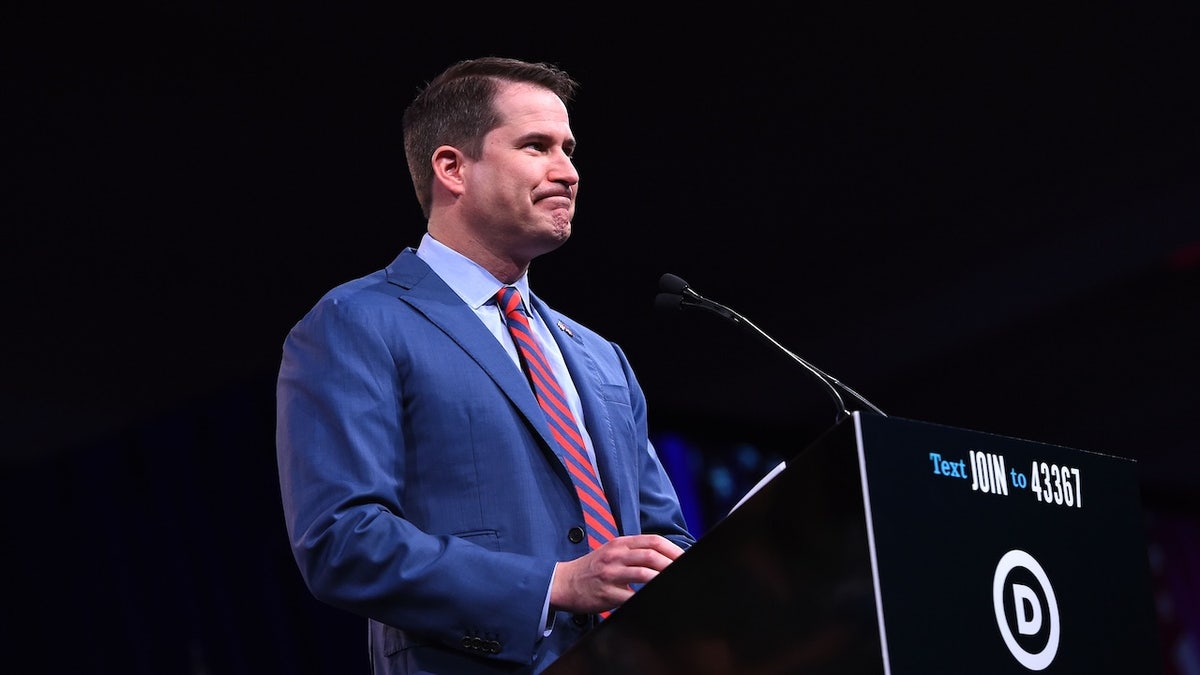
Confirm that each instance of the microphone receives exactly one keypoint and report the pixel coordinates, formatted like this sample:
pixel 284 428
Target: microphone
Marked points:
pixel 676 294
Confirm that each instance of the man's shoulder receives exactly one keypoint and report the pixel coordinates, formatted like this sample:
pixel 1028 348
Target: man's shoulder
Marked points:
pixel 391 281
pixel 360 289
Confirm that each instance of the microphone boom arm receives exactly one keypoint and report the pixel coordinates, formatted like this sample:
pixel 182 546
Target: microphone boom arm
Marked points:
pixel 677 292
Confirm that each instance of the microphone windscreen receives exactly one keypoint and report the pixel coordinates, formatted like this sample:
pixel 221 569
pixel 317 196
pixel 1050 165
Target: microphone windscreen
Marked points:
pixel 669 283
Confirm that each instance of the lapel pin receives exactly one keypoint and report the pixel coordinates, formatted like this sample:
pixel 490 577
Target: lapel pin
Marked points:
pixel 563 327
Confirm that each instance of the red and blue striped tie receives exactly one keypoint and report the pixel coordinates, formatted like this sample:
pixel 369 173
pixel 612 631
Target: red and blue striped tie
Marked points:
pixel 596 513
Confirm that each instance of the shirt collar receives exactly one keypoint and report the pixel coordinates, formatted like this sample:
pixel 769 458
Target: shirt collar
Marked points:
pixel 467 278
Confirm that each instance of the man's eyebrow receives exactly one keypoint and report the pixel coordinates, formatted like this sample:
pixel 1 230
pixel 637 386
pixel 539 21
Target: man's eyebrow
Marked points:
pixel 568 144
pixel 534 136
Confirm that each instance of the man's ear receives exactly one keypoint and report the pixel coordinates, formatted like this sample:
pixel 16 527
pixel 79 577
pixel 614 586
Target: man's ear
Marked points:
pixel 448 165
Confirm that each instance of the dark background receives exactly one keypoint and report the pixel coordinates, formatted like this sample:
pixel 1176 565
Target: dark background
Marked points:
pixel 985 219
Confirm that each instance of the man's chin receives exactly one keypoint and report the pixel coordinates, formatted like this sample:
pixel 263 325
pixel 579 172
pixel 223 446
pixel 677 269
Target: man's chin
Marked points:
pixel 560 228
pixel 554 238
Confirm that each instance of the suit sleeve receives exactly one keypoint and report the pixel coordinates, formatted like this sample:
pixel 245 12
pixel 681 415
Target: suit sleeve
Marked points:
pixel 341 451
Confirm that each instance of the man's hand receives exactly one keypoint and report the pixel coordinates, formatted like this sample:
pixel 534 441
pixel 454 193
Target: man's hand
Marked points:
pixel 600 580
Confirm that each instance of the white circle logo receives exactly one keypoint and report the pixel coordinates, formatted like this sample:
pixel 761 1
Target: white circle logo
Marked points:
pixel 1027 609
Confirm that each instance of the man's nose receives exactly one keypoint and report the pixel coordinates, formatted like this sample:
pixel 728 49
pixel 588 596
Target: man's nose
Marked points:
pixel 564 170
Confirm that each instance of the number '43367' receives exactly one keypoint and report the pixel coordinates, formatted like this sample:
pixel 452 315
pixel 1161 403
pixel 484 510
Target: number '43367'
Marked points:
pixel 1056 484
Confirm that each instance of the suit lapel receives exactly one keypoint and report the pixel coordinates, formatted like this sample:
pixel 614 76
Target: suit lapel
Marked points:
pixel 428 294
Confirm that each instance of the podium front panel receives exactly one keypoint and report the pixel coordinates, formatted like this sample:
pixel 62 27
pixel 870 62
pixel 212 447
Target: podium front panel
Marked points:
pixel 1000 555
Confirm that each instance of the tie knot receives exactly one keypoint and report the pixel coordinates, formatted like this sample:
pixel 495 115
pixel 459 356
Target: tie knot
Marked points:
pixel 509 299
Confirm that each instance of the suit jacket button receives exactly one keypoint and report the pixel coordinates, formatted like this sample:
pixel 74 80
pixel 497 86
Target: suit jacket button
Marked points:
pixel 575 535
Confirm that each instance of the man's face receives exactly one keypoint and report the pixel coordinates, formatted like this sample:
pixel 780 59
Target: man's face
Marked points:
pixel 520 193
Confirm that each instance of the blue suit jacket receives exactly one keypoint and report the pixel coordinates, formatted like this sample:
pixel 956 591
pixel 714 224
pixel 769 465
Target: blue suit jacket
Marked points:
pixel 418 484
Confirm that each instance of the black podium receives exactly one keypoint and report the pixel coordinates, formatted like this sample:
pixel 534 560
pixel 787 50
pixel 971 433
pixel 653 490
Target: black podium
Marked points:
pixel 904 548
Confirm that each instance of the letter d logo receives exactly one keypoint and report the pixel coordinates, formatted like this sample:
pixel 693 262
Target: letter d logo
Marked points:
pixel 1026 607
